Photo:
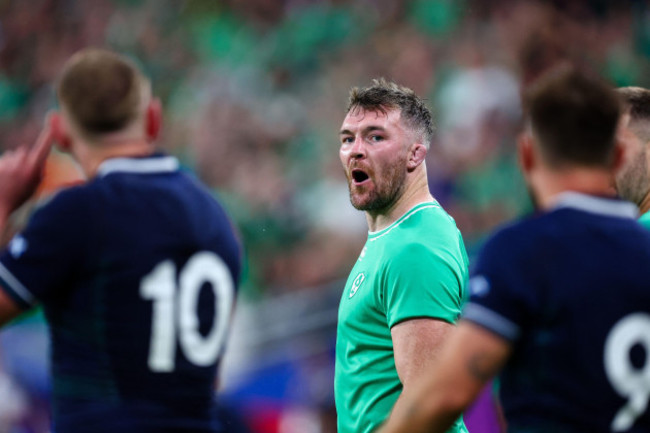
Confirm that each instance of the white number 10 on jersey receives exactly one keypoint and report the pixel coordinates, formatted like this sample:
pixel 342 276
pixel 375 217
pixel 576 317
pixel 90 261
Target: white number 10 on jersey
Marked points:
pixel 175 310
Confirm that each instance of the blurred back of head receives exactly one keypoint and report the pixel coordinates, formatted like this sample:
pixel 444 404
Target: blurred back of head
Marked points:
pixel 102 92
pixel 636 102
pixel 573 117
pixel 383 95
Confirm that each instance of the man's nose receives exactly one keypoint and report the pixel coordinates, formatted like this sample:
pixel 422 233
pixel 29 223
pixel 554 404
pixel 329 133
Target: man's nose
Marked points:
pixel 358 149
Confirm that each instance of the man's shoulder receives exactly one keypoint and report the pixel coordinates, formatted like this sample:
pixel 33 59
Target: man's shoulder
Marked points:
pixel 66 200
pixel 566 229
pixel 431 214
pixel 523 233
pixel 125 187
pixel 424 223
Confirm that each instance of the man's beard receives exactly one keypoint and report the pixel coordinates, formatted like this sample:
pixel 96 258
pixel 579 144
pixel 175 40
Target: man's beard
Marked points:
pixel 382 196
pixel 633 181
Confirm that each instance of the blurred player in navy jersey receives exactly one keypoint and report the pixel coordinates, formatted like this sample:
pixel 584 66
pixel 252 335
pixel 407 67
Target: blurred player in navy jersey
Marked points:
pixel 560 300
pixel 136 269
pixel 633 180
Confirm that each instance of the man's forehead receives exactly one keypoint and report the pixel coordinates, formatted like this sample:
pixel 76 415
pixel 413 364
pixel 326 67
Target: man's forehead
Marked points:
pixel 366 117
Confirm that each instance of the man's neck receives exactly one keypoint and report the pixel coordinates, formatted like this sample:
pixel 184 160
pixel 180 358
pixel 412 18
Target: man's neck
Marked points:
pixel 415 192
pixel 590 181
pixel 91 156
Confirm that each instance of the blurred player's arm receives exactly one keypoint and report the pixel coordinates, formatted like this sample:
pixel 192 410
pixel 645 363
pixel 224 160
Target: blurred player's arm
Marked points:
pixel 21 170
pixel 450 383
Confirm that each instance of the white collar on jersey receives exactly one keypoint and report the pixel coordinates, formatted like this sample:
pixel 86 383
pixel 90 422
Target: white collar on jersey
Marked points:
pixel 156 164
pixel 594 204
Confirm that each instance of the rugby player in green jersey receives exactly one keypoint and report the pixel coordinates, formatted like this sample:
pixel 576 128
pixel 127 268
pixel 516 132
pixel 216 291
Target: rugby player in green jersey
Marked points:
pixel 407 287
pixel 633 181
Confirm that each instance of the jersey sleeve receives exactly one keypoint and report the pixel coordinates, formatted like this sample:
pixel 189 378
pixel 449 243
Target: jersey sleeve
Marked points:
pixel 40 260
pixel 502 292
pixel 421 282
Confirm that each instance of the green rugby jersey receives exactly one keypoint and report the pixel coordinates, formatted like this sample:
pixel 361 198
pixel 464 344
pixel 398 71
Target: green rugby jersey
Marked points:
pixel 416 267
pixel 644 220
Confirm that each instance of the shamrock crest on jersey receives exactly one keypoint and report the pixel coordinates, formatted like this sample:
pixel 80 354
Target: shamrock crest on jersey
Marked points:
pixel 357 283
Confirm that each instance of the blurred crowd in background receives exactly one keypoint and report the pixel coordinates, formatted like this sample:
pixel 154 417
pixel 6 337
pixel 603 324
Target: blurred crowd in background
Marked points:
pixel 254 94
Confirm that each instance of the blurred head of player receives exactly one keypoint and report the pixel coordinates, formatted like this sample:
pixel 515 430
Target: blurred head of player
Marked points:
pixel 633 180
pixel 384 140
pixel 570 142
pixel 107 109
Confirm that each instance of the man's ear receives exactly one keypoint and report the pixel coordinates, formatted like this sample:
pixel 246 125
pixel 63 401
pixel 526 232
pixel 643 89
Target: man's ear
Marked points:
pixel 526 153
pixel 60 131
pixel 416 156
pixel 619 155
pixel 153 119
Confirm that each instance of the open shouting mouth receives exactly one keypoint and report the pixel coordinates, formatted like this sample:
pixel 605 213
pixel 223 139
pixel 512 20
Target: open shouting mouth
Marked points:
pixel 359 176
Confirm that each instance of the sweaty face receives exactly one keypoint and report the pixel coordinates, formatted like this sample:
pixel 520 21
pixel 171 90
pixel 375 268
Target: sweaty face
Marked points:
pixel 374 156
pixel 633 179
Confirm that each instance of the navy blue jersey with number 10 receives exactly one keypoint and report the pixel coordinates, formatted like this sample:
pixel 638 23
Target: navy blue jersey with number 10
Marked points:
pixel 570 289
pixel 136 271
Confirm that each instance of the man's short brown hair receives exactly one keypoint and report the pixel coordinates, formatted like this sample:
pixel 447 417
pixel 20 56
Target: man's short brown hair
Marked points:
pixel 101 90
pixel 574 117
pixel 384 95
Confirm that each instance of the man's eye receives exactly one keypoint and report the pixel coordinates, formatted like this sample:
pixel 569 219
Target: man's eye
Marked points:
pixel 376 138
pixel 346 140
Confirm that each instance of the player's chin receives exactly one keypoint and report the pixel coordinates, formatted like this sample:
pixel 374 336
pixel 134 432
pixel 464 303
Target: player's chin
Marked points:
pixel 361 201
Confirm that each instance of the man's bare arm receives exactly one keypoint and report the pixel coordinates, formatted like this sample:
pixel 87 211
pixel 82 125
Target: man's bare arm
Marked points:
pixel 417 343
pixel 470 357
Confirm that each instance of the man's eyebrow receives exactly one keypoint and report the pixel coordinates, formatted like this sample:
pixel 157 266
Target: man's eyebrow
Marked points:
pixel 373 128
pixel 365 130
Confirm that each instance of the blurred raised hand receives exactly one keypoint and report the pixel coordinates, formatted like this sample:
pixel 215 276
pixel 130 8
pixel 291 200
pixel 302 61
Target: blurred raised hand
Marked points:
pixel 21 171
